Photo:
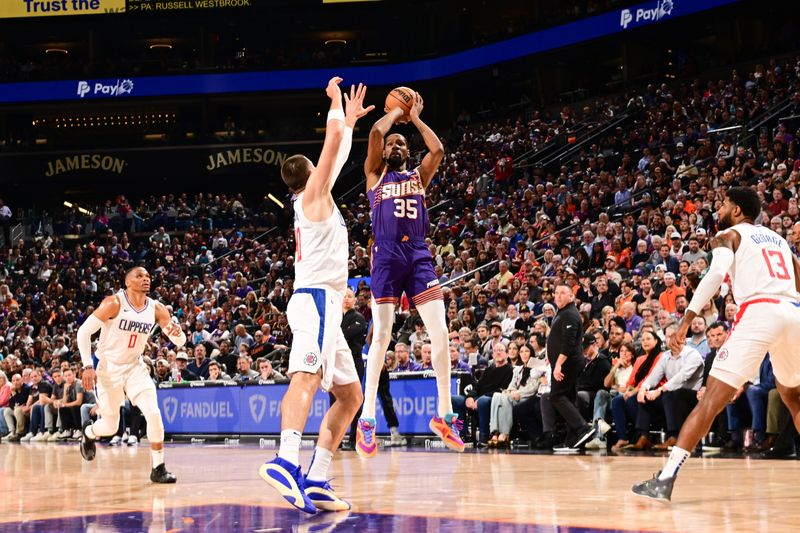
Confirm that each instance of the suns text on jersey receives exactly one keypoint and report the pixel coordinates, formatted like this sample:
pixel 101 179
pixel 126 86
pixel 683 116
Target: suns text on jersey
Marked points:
pixel 401 189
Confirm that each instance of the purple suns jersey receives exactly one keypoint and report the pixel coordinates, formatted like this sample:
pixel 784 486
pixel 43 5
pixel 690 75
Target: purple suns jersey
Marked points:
pixel 398 205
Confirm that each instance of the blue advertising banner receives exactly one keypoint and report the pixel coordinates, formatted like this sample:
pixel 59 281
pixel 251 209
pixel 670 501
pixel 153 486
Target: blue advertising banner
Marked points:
pixel 210 409
pixel 572 33
pixel 201 410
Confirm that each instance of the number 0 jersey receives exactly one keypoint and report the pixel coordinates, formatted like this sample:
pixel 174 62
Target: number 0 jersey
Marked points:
pixel 124 337
pixel 398 205
pixel 762 265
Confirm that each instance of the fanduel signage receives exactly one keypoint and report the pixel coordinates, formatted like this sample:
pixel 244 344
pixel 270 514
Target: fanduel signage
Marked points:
pixel 569 34
pixel 256 409
pixel 633 18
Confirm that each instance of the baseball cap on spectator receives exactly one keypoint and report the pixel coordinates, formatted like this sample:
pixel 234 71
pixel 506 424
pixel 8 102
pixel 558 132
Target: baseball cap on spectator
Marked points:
pixel 662 268
pixel 675 235
pixel 182 356
pixel 162 361
pixel 669 275
pixel 495 324
pixel 700 231
pixel 242 306
pixel 637 272
pixel 524 309
pixel 588 340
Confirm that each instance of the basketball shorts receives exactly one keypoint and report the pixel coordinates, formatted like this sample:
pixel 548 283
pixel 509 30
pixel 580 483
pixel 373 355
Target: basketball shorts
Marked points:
pixel 315 316
pixel 399 267
pixel 115 381
pixel 762 325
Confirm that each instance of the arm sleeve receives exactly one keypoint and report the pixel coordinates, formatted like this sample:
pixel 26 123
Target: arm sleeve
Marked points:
pixel 722 260
pixel 344 153
pixel 90 326
pixel 175 334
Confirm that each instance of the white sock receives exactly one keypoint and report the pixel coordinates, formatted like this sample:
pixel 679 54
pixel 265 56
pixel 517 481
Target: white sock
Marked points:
pixel 318 471
pixel 433 316
pixel 394 431
pixel 382 319
pixel 290 446
pixel 157 456
pixel 89 433
pixel 676 459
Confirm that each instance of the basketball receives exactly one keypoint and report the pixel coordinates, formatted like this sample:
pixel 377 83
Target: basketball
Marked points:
pixel 401 97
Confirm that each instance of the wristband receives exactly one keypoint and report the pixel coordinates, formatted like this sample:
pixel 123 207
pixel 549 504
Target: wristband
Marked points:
pixel 335 114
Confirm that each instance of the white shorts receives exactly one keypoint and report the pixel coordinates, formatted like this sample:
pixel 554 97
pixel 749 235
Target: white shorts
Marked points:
pixel 763 325
pixel 315 316
pixel 114 382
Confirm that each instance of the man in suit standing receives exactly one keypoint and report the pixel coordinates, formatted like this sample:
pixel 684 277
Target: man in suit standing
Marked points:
pixel 354 326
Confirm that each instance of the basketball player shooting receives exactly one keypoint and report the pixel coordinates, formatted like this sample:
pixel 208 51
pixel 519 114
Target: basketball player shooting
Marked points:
pixel 125 321
pixel 401 262
pixel 320 355
pixel 765 280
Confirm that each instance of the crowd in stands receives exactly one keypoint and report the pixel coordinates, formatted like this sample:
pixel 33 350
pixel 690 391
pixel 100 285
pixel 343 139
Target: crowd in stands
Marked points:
pixel 625 223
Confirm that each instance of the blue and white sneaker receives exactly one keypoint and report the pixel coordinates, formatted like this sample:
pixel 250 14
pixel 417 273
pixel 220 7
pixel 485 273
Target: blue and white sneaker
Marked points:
pixel 322 495
pixel 288 480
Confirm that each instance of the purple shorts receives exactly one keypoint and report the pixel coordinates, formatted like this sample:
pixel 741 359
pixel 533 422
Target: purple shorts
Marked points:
pixel 403 266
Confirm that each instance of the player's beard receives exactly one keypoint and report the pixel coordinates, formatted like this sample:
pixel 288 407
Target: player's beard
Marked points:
pixel 395 161
pixel 724 222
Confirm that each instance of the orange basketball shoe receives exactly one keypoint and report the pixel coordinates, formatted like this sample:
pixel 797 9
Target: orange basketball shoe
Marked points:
pixel 366 445
pixel 449 430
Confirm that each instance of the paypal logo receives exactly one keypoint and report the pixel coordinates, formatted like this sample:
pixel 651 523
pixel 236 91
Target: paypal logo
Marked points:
pixel 662 9
pixel 100 89
pixel 83 88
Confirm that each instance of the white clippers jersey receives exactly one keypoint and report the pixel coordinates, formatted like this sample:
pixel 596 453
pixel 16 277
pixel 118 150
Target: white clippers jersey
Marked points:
pixel 322 250
pixel 762 265
pixel 124 337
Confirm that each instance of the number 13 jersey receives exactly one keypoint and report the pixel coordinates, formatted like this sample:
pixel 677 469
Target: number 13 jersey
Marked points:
pixel 762 265
pixel 398 205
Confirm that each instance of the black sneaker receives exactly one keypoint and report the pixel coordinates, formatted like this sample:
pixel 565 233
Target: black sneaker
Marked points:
pixel 657 489
pixel 87 445
pixel 160 475
pixel 576 440
pixel 582 437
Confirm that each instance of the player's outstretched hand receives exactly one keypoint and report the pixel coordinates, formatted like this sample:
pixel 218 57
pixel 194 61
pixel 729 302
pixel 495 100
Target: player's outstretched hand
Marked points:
pixel 88 379
pixel 354 104
pixel 332 90
pixel 677 340
pixel 416 109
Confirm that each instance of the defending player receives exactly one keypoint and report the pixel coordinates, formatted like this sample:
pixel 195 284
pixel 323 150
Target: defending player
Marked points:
pixel 765 279
pixel 125 321
pixel 320 355
pixel 401 262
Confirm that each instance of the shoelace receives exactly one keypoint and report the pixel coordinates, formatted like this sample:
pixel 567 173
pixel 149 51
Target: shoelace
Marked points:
pixel 367 432
pixel 457 424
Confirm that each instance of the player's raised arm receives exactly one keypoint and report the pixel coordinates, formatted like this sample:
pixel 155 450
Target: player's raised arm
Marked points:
pixel 373 165
pixel 169 327
pixel 354 110
pixel 318 183
pixel 107 310
pixel 432 160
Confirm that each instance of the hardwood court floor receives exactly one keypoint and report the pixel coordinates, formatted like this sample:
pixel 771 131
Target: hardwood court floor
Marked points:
pixel 407 490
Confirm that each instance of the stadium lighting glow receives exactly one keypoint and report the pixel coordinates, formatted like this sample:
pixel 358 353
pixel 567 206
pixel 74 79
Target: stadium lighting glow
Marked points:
pixel 278 202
